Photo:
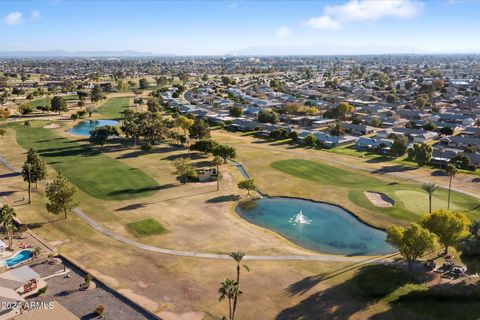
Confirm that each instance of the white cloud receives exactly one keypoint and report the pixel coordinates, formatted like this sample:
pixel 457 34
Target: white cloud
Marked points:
pixel 335 16
pixel 283 32
pixel 35 14
pixel 13 18
pixel 324 22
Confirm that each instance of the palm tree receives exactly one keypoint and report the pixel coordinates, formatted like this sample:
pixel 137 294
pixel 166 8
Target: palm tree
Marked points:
pixel 430 189
pixel 237 256
pixel 229 289
pixel 7 214
pixel 218 161
pixel 27 124
pixel 451 171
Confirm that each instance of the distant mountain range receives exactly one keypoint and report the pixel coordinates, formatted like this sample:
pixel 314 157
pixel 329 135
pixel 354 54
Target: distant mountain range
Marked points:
pixel 317 49
pixel 62 53
pixel 324 49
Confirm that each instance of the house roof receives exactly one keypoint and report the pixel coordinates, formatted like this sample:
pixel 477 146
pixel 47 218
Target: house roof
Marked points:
pixel 21 274
pixel 10 295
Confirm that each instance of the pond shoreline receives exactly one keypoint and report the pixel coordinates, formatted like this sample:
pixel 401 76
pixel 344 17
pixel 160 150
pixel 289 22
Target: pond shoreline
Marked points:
pixel 268 211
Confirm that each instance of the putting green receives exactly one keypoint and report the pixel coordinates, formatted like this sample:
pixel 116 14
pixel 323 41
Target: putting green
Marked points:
pixel 411 202
pixel 417 201
pixel 88 168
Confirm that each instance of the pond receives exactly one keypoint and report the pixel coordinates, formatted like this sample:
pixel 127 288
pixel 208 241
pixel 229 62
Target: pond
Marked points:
pixel 317 226
pixel 84 127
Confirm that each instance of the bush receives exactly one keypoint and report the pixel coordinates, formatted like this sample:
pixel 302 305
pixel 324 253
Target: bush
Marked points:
pixel 42 291
pixel 146 147
pixel 100 310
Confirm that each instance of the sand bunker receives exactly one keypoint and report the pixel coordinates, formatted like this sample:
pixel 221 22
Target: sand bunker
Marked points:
pixel 52 126
pixel 379 199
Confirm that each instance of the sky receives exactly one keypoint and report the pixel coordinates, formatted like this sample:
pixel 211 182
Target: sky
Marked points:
pixel 225 27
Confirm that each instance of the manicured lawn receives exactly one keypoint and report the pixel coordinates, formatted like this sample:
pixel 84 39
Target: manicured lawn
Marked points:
pixel 89 169
pixel 45 101
pixel 113 108
pixel 411 202
pixel 146 227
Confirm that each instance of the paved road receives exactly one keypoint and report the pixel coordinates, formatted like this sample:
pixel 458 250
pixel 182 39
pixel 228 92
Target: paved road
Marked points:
pixel 109 233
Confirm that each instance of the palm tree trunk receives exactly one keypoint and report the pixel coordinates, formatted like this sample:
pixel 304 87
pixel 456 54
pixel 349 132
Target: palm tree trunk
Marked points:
pixel 10 239
pixel 218 180
pixel 449 191
pixel 235 298
pixel 65 212
pixel 29 189
pixel 430 202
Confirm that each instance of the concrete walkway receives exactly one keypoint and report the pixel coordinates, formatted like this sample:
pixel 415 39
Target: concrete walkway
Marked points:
pixel 109 233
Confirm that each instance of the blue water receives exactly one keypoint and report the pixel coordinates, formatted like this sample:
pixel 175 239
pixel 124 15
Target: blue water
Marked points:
pixel 84 127
pixel 19 257
pixel 331 229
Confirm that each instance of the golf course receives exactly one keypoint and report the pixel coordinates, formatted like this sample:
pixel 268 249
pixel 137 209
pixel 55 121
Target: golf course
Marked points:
pixel 87 167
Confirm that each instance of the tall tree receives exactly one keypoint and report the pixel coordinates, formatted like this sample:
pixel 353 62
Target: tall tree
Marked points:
pixel 62 195
pixel 96 94
pixel 237 256
pixel 248 184
pixel 217 161
pixel 33 170
pixel 58 104
pixel 199 130
pixel 184 168
pixel 412 242
pixel 225 152
pixel 99 135
pixel 399 146
pixel 450 227
pixel 429 188
pixel 143 84
pixel 229 290
pixel 421 153
pixel 7 215
pixel 451 171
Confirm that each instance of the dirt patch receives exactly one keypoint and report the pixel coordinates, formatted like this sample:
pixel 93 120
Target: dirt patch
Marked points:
pixel 379 199
pixel 52 126
pixel 141 300
pixel 110 280
pixel 167 315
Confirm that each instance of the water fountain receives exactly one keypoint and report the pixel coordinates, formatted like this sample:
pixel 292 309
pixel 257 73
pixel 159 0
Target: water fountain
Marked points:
pixel 299 218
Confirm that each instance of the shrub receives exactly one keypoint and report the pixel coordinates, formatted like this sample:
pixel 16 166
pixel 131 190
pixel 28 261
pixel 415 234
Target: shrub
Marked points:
pixel 146 147
pixel 42 290
pixel 100 310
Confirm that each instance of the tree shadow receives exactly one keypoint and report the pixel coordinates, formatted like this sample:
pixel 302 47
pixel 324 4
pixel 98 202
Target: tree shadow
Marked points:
pixel 141 190
pixel 342 301
pixel 10 175
pixel 35 225
pixel 133 206
pixel 439 173
pixel 90 316
pixel 6 193
pixel 396 168
pixel 380 159
pixel 227 198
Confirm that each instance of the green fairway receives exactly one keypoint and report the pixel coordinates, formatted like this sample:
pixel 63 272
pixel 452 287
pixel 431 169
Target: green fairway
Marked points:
pixel 146 227
pixel 411 202
pixel 90 170
pixel 46 101
pixel 113 108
